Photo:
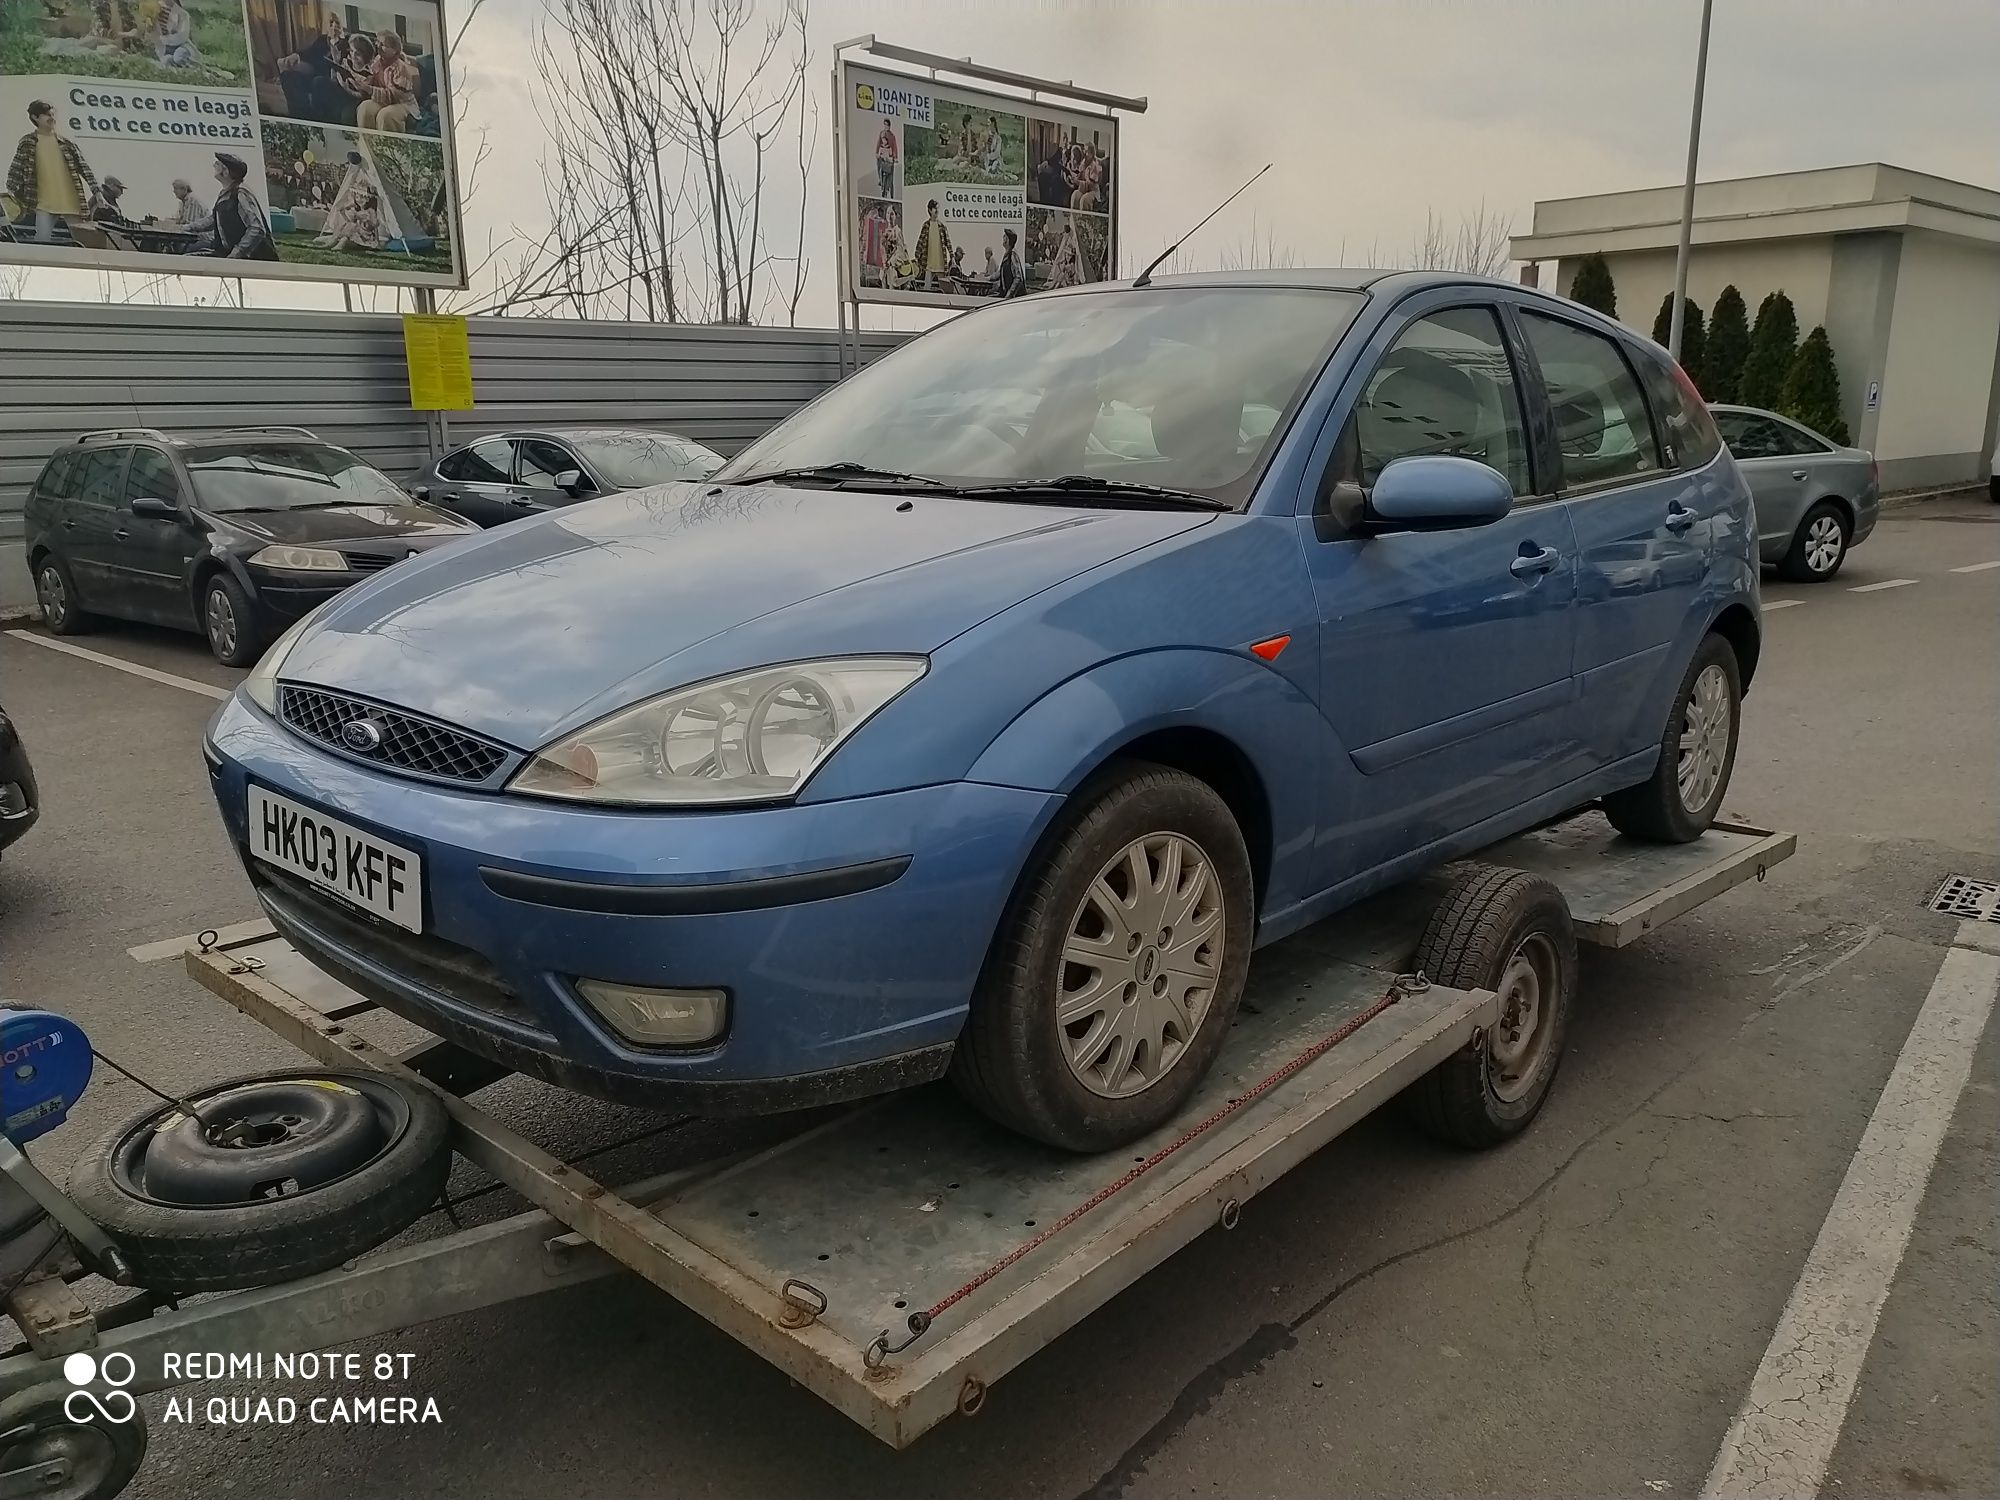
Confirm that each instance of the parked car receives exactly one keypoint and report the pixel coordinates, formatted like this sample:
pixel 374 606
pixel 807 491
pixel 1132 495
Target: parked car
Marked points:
pixel 1993 473
pixel 508 475
pixel 20 804
pixel 1816 500
pixel 914 743
pixel 236 535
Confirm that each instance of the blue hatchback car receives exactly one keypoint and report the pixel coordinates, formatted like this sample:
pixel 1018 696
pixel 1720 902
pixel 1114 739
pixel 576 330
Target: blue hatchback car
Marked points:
pixel 984 716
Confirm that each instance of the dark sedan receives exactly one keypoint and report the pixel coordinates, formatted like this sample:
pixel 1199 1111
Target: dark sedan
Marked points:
pixel 507 475
pixel 18 804
pixel 235 536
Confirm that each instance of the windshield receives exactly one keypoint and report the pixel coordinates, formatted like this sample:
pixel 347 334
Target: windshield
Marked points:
pixel 285 476
pixel 1183 388
pixel 633 460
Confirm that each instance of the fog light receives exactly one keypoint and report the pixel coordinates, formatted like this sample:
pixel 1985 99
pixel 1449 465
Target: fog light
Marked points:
pixel 13 800
pixel 658 1018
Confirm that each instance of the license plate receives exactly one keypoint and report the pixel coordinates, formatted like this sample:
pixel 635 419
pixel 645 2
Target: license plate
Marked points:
pixel 373 874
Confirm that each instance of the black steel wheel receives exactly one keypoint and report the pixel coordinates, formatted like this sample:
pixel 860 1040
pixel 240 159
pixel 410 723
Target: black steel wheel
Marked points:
pixel 281 1176
pixel 43 1452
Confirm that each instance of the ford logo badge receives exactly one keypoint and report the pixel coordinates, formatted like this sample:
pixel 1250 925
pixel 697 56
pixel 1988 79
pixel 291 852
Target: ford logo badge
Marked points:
pixel 363 736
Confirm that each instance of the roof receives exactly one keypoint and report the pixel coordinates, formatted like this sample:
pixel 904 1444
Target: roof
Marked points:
pixel 1327 279
pixel 1776 205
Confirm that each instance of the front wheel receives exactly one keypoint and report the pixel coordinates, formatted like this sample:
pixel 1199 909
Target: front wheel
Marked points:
pixel 1680 799
pixel 1118 965
pixel 229 620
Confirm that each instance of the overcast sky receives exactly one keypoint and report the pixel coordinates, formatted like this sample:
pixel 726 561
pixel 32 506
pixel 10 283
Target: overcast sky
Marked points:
pixel 1375 113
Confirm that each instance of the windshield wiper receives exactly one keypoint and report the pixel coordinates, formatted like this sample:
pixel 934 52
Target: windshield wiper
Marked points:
pixel 1094 487
pixel 842 472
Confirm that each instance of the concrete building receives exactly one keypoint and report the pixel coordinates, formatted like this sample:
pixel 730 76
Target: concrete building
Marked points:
pixel 1902 268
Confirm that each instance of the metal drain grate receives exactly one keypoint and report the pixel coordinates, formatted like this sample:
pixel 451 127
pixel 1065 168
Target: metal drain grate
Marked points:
pixel 1962 896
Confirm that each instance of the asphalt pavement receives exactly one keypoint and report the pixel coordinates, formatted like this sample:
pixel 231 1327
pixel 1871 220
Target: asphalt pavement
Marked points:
pixel 1582 1312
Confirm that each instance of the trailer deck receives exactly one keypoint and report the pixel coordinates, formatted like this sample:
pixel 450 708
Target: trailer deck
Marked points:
pixel 901 1255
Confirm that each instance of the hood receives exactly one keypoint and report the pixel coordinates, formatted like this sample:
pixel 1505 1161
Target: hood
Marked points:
pixel 539 627
pixel 342 523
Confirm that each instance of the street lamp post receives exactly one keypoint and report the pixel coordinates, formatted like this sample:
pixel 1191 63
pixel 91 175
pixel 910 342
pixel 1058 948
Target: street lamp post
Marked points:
pixel 1687 191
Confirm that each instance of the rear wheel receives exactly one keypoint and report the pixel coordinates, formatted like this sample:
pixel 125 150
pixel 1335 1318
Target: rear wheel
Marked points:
pixel 1819 546
pixel 230 622
pixel 1508 932
pixel 1680 799
pixel 1118 965
pixel 55 592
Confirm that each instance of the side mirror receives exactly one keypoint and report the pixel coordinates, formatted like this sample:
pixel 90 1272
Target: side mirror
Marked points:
pixel 155 510
pixel 1435 492
pixel 571 482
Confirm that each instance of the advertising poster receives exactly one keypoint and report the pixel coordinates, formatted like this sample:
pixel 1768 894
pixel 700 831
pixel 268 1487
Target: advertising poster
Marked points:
pixel 953 194
pixel 291 138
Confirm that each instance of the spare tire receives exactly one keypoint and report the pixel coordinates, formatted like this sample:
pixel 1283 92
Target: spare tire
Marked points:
pixel 283 1175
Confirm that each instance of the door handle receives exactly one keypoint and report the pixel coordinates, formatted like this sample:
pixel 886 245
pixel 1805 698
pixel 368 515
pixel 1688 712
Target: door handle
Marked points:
pixel 1679 518
pixel 120 534
pixel 1534 564
pixel 1798 473
pixel 69 525
pixel 520 500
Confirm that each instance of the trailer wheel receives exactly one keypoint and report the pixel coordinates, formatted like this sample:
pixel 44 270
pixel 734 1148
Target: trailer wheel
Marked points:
pixel 284 1175
pixel 45 1453
pixel 1508 932
pixel 1117 967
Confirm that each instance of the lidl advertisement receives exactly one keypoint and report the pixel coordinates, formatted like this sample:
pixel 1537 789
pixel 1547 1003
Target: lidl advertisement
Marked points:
pixel 287 138
pixel 953 194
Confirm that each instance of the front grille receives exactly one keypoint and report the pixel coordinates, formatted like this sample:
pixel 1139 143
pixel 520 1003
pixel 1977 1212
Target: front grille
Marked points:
pixel 431 963
pixel 366 562
pixel 407 743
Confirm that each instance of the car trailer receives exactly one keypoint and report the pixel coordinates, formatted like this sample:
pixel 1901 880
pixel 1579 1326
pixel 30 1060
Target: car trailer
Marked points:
pixel 900 1255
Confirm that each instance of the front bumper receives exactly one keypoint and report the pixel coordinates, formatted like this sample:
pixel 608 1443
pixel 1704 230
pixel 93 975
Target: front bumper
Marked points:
pixel 20 802
pixel 847 934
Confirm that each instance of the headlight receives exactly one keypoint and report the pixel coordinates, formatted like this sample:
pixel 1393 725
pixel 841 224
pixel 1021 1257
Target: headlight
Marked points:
pixel 261 686
pixel 301 559
pixel 750 738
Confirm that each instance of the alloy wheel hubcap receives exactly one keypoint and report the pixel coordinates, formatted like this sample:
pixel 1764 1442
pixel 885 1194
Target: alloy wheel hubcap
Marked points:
pixel 1140 964
pixel 1704 738
pixel 1823 544
pixel 55 603
pixel 221 622
pixel 1519 1040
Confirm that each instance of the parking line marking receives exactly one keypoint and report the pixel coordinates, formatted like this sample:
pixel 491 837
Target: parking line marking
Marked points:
pixel 1771 604
pixel 1784 1434
pixel 1978 567
pixel 1887 583
pixel 187 685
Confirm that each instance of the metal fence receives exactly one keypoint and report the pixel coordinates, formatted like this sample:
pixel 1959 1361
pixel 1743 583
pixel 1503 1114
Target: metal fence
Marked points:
pixel 68 367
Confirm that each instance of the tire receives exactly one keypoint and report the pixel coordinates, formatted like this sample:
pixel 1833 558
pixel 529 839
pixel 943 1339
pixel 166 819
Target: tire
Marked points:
pixel 1819 546
pixel 103 1452
pixel 1509 932
pixel 190 1245
pixel 1656 809
pixel 55 593
pixel 1993 488
pixel 1015 1058
pixel 231 622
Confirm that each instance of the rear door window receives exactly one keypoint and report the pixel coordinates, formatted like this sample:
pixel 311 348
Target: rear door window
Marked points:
pixel 488 462
pixel 1603 429
pixel 100 475
pixel 1752 436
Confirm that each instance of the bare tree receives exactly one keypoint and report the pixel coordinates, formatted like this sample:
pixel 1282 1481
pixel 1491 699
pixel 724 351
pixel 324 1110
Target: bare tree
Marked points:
pixel 664 118
pixel 1258 249
pixel 1477 246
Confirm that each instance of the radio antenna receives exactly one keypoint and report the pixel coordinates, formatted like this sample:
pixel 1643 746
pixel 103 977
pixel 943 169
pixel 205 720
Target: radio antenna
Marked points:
pixel 1145 277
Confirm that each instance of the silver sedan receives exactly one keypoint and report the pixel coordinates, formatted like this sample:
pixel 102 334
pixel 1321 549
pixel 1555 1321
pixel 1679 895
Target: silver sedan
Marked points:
pixel 1815 499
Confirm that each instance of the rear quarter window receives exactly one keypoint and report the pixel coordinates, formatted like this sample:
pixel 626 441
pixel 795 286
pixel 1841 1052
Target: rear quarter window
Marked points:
pixel 1685 421
pixel 57 480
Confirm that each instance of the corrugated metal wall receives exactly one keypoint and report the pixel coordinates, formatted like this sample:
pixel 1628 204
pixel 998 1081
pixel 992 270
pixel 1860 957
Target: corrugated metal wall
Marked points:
pixel 69 367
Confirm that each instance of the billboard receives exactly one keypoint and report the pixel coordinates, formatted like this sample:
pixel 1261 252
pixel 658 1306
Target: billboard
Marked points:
pixel 299 139
pixel 951 195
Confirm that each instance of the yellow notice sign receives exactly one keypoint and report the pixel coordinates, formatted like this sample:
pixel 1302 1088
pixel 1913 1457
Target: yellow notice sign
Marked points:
pixel 440 361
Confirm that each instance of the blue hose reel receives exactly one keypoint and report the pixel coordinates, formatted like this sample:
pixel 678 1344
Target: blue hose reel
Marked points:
pixel 44 1069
